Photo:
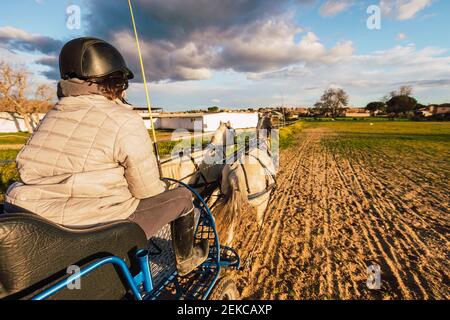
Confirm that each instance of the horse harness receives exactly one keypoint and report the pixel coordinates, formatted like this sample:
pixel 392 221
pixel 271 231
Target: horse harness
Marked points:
pixel 269 173
pixel 210 186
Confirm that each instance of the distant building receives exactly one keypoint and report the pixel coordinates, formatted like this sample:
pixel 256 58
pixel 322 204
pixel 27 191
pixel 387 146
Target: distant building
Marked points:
pixel 206 122
pixel 426 112
pixel 298 111
pixel 357 113
pixel 12 122
pixel 437 110
pixel 143 112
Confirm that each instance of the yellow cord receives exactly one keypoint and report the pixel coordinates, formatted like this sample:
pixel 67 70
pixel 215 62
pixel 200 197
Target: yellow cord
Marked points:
pixel 147 95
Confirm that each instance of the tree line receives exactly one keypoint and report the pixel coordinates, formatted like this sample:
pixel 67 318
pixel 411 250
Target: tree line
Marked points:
pixel 397 103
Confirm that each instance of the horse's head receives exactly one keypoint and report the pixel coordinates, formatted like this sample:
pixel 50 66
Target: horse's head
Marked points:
pixel 224 135
pixel 265 123
pixel 264 128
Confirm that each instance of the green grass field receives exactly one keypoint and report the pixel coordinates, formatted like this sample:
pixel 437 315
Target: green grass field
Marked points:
pixel 430 138
pixel 13 138
pixel 288 135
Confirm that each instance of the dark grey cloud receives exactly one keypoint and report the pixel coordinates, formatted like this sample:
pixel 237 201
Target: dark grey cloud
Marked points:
pixel 17 39
pixel 177 20
pixel 187 39
pixel 52 62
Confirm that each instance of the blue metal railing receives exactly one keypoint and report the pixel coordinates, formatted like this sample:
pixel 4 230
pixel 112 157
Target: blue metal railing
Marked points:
pixel 141 285
pixel 109 260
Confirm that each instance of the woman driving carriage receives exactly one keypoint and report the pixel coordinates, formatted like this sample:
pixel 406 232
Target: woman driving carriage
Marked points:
pixel 90 161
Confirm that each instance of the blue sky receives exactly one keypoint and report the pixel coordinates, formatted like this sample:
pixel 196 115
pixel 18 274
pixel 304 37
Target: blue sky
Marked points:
pixel 251 54
pixel 429 28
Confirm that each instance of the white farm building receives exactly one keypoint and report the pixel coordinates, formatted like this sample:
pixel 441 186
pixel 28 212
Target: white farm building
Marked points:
pixel 10 122
pixel 205 122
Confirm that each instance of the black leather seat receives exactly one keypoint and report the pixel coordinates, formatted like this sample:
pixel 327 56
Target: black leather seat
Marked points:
pixel 35 253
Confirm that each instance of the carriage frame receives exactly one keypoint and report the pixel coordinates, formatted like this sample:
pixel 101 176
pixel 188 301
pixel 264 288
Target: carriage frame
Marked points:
pixel 197 285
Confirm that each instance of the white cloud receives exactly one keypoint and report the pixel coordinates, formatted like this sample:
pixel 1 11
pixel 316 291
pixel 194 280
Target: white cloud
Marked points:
pixel 368 77
pixel 404 9
pixel 333 7
pixel 16 33
pixel 259 47
pixel 272 45
pixel 409 9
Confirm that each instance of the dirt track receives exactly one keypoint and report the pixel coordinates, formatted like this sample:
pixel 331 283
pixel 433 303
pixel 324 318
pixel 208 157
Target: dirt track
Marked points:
pixel 334 215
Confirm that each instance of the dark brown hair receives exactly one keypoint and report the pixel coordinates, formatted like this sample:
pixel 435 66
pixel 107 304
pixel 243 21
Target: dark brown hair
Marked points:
pixel 112 87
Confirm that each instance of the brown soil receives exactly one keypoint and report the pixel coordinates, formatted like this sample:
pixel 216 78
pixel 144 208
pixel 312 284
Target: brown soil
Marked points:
pixel 332 216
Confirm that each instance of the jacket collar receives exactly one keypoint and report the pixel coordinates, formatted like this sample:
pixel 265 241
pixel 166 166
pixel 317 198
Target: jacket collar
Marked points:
pixel 88 101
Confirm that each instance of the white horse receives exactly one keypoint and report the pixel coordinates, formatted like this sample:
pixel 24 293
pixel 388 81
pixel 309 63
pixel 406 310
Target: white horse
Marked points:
pixel 202 167
pixel 246 185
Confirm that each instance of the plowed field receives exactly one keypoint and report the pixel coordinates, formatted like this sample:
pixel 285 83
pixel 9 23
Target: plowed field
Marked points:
pixel 351 195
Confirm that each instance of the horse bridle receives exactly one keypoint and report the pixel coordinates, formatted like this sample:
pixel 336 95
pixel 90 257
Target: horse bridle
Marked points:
pixel 253 144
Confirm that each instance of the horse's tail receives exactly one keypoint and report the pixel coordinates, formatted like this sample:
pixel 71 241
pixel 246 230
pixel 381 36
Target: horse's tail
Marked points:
pixel 231 207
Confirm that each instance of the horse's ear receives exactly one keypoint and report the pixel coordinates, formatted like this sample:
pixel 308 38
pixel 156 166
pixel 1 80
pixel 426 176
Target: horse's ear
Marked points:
pixel 221 123
pixel 229 123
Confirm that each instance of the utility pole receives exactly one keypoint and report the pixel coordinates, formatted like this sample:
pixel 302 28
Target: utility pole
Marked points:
pixel 282 109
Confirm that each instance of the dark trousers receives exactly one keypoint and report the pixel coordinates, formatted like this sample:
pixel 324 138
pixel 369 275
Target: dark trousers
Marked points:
pixel 154 213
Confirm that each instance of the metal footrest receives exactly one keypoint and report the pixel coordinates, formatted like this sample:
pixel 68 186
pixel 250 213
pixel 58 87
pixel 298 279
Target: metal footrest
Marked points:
pixel 162 258
pixel 229 257
pixel 194 286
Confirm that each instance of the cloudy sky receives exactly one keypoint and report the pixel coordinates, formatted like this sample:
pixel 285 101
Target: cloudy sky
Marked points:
pixel 247 53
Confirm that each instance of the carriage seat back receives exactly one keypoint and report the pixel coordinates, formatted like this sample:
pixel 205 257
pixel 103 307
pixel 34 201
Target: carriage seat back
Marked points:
pixel 35 253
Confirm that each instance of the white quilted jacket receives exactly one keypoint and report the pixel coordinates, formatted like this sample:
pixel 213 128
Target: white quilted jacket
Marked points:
pixel 90 161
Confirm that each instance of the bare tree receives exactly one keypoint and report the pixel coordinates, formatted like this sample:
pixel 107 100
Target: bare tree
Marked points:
pixel 405 91
pixel 41 102
pixel 333 102
pixel 14 99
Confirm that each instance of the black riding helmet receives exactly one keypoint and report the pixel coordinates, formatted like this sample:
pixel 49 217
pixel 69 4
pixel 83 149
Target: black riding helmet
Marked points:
pixel 91 59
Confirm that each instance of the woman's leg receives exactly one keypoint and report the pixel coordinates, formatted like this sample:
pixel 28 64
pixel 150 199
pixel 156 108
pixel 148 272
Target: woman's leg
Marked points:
pixel 154 213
